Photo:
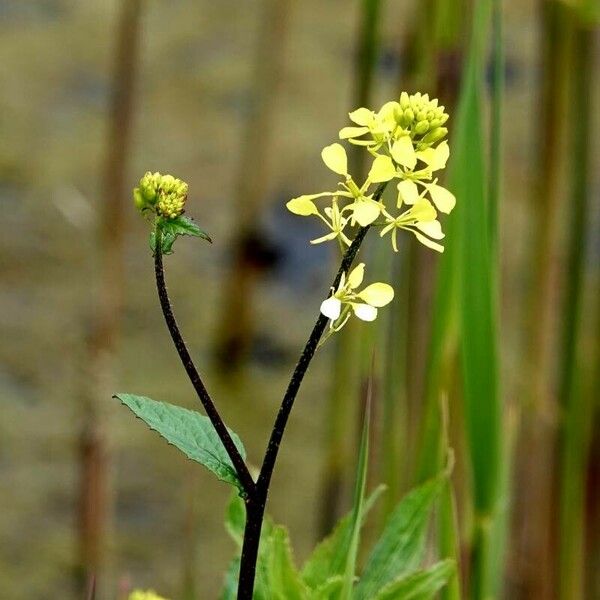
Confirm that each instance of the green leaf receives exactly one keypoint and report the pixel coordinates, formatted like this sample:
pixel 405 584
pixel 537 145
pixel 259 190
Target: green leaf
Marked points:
pixel 284 580
pixel 330 590
pixel 170 229
pixel 189 431
pixel 400 548
pixel 420 585
pixel 229 591
pixel 235 519
pixel 328 559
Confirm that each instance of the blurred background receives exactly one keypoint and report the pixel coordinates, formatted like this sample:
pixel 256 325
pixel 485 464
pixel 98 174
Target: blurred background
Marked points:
pixel 238 98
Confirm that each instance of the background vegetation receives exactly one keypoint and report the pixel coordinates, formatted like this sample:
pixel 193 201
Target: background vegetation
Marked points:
pixel 499 339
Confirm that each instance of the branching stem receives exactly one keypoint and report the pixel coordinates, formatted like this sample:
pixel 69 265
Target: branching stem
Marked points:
pixel 190 368
pixel 255 507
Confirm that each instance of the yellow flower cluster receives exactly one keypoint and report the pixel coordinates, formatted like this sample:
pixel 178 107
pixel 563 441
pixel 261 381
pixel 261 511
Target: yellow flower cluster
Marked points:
pixel 163 194
pixel 405 139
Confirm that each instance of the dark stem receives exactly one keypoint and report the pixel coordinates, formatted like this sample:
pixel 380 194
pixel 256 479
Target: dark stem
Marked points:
pixel 188 364
pixel 255 507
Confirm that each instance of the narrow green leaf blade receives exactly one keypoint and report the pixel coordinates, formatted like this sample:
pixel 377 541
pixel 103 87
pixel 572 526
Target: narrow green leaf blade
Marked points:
pixel 359 501
pixel 328 559
pixel 420 585
pixel 401 547
pixel 189 431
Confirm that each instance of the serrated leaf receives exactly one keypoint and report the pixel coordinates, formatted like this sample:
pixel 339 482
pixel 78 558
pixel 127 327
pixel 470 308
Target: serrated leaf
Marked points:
pixel 330 590
pixel 171 229
pixel 401 546
pixel 189 431
pixel 328 559
pixel 285 582
pixel 420 585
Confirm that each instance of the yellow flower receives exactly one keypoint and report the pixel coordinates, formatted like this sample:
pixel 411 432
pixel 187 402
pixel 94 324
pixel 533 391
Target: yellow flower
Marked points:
pixel 144 595
pixel 346 299
pixel 419 219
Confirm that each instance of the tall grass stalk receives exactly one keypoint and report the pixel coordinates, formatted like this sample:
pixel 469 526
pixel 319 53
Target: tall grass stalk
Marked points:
pixel 534 531
pixel 234 334
pixel 94 510
pixel 576 404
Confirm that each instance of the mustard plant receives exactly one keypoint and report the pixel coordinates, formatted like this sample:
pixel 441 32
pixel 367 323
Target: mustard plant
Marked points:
pixel 405 140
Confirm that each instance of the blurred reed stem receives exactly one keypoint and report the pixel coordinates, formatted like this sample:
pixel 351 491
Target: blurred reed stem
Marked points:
pixel 94 511
pixel 250 251
pixel 534 530
pixel 347 371
pixel 576 404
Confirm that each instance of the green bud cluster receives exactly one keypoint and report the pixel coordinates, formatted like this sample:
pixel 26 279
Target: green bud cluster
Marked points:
pixel 422 118
pixel 163 194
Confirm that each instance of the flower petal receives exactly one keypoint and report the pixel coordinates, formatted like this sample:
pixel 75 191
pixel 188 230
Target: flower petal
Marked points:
pixel 423 211
pixel 409 192
pixel 382 169
pixel 350 132
pixel 302 206
pixel 365 312
pixel 427 242
pixel 440 156
pixel 331 308
pixel 442 198
pixel 404 153
pixel 334 156
pixel 356 276
pixel 365 212
pixel 361 116
pixel 431 228
pixel 377 294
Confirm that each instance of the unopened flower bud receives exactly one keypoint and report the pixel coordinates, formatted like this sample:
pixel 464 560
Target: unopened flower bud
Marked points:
pixel 404 100
pixel 435 136
pixel 422 127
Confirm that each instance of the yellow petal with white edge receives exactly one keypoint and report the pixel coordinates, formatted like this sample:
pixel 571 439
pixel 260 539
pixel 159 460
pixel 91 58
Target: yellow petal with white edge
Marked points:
pixel 409 193
pixel 335 158
pixel 331 308
pixel 302 206
pixel 377 294
pixel 442 198
pixel 429 243
pixel 382 169
pixel 365 212
pixel 423 211
pixel 403 152
pixel 350 132
pixel 431 228
pixel 365 312
pixel 356 276
pixel 361 116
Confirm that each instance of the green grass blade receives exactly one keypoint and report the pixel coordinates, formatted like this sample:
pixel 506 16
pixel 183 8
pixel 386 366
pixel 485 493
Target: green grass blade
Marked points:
pixel 359 502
